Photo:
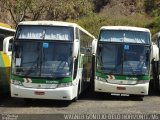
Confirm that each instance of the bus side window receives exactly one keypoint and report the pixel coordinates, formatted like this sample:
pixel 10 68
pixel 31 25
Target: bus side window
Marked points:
pixel 10 45
pixel 1 43
pixel 75 68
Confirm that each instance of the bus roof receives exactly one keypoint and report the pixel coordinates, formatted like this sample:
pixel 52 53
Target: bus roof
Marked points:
pixel 124 28
pixel 7 29
pixel 49 23
pixel 55 23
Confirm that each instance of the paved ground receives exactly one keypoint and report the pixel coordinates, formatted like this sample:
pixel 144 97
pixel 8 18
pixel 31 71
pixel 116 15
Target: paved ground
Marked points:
pixel 89 103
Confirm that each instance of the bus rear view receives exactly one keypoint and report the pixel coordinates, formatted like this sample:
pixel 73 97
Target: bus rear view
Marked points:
pixel 122 60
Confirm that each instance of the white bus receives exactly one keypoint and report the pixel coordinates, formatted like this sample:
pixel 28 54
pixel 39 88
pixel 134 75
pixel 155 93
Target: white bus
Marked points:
pixel 122 58
pixel 156 64
pixel 5 56
pixel 50 60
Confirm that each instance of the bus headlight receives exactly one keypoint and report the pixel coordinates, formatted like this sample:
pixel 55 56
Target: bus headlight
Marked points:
pixel 100 79
pixel 16 82
pixel 64 84
pixel 142 81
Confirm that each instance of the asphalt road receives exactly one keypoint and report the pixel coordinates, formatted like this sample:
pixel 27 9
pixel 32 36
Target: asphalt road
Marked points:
pixel 89 103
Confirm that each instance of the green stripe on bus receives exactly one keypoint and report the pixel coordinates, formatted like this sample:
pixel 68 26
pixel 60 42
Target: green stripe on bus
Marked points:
pixel 43 81
pixel 123 77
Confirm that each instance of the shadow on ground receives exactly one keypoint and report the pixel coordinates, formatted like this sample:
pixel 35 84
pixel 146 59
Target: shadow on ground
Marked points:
pixel 88 95
pixel 7 101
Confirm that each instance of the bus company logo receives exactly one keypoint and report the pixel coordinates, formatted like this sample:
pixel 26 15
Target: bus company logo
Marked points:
pixel 39 86
pixel 131 78
pixel 51 82
pixel 27 80
pixel 111 77
pixel 121 82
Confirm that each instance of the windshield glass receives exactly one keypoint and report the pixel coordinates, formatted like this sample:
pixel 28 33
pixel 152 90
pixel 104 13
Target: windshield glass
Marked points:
pixel 45 32
pixel 125 36
pixel 126 59
pixel 42 59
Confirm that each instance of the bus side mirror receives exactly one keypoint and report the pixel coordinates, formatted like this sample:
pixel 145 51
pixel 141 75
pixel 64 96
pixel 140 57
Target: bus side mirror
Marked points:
pixel 75 48
pixel 155 52
pixel 6 44
pixel 94 46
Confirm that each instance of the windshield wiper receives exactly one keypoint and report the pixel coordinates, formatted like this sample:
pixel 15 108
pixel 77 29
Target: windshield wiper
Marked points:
pixel 30 70
pixel 33 66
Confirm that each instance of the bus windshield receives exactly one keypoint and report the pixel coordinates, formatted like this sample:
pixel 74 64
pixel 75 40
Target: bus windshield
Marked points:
pixel 125 36
pixel 44 32
pixel 123 59
pixel 42 59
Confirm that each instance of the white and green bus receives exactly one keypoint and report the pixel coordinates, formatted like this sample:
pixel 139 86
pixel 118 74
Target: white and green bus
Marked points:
pixel 122 60
pixel 50 60
pixel 156 64
pixel 5 57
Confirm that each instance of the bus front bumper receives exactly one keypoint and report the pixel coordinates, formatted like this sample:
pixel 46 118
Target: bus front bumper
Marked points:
pixel 64 93
pixel 137 89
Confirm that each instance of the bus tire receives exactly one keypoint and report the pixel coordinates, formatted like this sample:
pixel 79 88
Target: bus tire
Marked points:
pixel 138 97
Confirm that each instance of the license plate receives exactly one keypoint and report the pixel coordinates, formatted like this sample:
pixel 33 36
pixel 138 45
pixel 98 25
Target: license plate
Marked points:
pixel 121 88
pixel 39 93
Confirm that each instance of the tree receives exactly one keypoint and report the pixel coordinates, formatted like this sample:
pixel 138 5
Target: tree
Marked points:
pixel 99 4
pixel 21 10
pixel 149 5
pixel 37 9
pixel 68 9
pixel 16 8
